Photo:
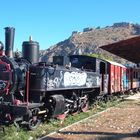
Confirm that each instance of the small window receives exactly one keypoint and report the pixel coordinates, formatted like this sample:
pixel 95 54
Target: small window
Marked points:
pixel 127 73
pixel 102 68
pixel 88 65
pixel 136 74
pixel 76 62
pixel 58 60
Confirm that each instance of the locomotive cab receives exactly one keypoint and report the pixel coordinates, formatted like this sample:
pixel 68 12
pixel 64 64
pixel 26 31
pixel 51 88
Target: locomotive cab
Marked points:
pixel 95 65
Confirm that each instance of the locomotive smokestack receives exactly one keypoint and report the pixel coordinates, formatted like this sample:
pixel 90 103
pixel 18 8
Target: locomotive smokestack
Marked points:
pixel 9 41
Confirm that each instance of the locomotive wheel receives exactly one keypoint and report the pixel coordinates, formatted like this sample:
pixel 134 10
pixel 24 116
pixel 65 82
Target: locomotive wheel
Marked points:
pixel 33 123
pixel 75 113
pixel 85 104
pixel 61 116
pixel 75 110
pixel 85 108
pixel 74 107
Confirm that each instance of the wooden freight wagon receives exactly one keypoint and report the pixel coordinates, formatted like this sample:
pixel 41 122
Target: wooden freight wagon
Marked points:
pixel 117 77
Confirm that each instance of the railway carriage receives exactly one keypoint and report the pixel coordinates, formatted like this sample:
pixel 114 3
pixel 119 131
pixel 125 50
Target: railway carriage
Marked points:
pixel 133 78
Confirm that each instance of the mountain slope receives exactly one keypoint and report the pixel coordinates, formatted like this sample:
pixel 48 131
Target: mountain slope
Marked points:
pixel 90 40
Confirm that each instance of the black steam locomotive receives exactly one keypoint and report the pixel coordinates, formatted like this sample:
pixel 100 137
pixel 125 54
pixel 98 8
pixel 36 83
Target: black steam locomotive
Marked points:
pixel 31 90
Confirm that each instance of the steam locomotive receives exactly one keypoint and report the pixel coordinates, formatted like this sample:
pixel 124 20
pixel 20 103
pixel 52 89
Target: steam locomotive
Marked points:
pixel 31 90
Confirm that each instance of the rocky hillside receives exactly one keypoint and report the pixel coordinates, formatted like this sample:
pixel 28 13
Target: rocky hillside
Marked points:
pixel 90 40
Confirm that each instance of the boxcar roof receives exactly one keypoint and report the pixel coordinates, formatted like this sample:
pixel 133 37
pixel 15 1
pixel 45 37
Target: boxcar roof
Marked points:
pixel 115 63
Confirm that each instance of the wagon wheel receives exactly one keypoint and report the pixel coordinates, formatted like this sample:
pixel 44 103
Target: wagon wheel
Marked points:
pixel 106 99
pixel 97 102
pixel 109 97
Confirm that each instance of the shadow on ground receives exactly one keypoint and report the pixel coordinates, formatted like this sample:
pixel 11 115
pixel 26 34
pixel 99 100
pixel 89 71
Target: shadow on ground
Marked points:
pixel 102 135
pixel 105 135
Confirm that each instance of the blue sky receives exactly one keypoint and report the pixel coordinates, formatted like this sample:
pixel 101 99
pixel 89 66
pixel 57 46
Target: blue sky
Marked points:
pixel 51 21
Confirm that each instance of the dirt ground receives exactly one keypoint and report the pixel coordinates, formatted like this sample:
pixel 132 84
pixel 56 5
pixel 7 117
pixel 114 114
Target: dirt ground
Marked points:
pixel 121 122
